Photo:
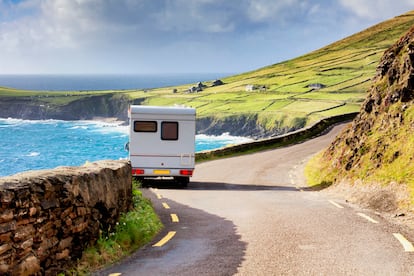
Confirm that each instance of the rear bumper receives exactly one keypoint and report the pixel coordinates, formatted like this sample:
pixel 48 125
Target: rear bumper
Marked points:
pixel 162 172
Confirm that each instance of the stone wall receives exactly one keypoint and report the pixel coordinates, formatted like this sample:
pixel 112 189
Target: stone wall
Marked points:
pixel 47 218
pixel 282 140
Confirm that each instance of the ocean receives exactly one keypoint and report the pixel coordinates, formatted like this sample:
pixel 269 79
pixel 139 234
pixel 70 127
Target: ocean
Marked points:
pixel 33 145
pixel 102 82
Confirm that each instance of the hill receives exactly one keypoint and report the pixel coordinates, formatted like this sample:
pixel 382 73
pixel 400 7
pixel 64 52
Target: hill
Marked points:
pixel 281 97
pixel 374 155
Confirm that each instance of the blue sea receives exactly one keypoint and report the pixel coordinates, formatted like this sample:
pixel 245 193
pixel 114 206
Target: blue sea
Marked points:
pixel 32 145
pixel 102 82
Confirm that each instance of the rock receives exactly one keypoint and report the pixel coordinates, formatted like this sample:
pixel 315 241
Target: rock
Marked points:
pixel 28 266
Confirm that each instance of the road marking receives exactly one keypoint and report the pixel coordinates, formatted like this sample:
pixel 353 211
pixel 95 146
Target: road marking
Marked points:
pixel 115 274
pixel 166 239
pixel 174 218
pixel 367 217
pixel 165 205
pixel 159 196
pixel 335 204
pixel 408 246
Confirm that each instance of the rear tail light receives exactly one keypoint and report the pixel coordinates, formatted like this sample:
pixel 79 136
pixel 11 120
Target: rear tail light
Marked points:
pixel 137 171
pixel 186 172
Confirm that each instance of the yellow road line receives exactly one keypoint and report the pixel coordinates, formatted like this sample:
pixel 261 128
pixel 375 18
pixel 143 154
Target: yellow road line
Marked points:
pixel 336 204
pixel 115 274
pixel 159 196
pixel 166 239
pixel 367 217
pixel 174 218
pixel 408 246
pixel 165 205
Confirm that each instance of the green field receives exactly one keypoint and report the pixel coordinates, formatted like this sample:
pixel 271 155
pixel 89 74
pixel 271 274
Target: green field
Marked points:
pixel 344 68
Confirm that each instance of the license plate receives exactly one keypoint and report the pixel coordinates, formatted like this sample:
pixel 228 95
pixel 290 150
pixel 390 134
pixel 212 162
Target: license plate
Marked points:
pixel 163 172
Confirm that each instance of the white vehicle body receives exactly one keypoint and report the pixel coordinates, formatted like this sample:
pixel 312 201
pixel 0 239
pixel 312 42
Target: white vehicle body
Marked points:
pixel 162 141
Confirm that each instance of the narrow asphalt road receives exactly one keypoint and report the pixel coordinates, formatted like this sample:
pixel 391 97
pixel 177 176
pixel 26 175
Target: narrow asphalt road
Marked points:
pixel 252 215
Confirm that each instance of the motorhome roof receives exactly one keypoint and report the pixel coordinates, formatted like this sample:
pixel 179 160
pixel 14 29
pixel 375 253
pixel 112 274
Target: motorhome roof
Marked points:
pixel 145 109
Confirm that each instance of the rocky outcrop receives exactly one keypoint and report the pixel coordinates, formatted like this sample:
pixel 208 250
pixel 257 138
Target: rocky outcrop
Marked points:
pixel 371 162
pixel 47 218
pixel 385 115
pixel 234 125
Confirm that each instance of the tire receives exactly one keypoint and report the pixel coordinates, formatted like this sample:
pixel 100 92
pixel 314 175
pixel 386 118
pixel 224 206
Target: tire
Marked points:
pixel 182 181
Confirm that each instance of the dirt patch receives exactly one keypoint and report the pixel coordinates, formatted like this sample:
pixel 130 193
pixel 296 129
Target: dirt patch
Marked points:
pixel 391 201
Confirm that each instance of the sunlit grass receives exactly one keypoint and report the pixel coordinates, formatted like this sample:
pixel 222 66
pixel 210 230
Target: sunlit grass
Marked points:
pixel 134 229
pixel 384 157
pixel 316 173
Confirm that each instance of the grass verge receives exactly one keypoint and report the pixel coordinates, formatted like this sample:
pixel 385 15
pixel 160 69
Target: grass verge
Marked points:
pixel 316 174
pixel 135 229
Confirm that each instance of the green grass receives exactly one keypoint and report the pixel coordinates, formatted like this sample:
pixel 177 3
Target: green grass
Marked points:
pixel 135 229
pixel 316 173
pixel 383 156
pixel 345 67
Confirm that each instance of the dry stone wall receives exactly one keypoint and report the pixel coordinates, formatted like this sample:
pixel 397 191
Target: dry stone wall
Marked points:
pixel 282 140
pixel 47 218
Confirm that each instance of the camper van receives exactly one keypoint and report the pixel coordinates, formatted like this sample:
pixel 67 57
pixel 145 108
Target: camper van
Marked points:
pixel 162 142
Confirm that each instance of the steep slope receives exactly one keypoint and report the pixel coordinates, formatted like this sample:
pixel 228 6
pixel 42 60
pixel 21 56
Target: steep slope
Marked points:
pixel 378 147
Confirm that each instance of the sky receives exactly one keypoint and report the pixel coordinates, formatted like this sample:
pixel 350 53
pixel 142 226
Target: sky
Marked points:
pixel 175 36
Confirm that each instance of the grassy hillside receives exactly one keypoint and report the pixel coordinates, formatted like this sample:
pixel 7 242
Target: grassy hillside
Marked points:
pixel 344 68
pixel 378 147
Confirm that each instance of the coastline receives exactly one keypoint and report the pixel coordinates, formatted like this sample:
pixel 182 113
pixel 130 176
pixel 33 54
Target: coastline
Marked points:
pixel 109 120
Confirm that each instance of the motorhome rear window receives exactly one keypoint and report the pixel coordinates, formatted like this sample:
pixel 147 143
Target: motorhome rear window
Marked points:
pixel 169 131
pixel 145 126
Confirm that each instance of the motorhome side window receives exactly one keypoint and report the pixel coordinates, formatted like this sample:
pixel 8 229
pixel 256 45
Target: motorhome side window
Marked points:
pixel 145 126
pixel 169 131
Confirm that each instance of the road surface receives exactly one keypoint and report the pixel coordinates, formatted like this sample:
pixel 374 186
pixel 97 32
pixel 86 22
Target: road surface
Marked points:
pixel 252 215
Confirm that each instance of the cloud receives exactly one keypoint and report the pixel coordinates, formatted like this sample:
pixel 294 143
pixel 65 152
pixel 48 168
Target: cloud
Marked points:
pixel 37 25
pixel 67 23
pixel 269 11
pixel 377 9
pixel 69 34
pixel 205 16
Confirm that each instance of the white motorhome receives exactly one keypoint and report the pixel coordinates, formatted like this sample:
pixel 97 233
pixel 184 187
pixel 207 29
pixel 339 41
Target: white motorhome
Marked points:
pixel 162 142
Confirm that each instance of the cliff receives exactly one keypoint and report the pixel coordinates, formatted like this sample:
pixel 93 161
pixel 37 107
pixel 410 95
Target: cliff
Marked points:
pixel 378 147
pixel 84 108
pixel 115 105
pixel 242 125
